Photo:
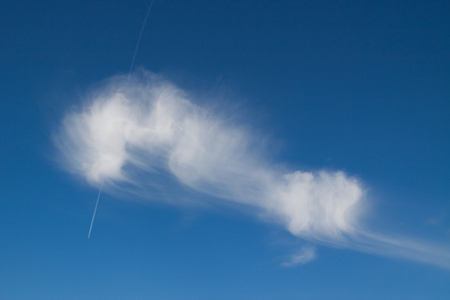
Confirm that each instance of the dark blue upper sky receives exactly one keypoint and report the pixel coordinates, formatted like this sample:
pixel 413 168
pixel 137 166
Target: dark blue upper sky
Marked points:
pixel 359 86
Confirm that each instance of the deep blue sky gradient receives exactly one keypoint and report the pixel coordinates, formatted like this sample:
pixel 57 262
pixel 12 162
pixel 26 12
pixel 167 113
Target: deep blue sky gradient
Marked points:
pixel 359 86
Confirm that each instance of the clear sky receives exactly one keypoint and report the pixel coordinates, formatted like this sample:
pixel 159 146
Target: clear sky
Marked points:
pixel 306 156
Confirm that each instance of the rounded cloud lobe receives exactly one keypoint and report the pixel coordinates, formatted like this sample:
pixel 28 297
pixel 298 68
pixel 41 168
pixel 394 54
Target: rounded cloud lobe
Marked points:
pixel 149 125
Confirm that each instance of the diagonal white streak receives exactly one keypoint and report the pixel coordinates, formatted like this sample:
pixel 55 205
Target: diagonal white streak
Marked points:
pixel 129 73
pixel 140 37
pixel 95 209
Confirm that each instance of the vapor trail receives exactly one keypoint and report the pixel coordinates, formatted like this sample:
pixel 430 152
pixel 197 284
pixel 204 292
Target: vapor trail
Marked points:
pixel 140 37
pixel 95 209
pixel 129 73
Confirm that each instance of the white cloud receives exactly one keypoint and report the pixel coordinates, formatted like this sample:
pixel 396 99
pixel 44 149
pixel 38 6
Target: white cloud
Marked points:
pixel 305 255
pixel 147 125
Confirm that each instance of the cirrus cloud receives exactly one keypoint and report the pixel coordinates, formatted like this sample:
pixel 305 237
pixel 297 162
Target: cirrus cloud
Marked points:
pixel 132 131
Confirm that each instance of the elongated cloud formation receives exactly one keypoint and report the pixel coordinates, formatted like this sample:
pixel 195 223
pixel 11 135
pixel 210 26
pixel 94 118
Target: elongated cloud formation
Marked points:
pixel 146 125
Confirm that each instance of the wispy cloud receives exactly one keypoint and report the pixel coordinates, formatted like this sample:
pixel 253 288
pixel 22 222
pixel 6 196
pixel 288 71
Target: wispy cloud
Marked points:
pixel 305 255
pixel 146 127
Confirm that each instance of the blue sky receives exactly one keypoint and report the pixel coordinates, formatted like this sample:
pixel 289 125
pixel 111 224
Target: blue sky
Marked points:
pixel 296 86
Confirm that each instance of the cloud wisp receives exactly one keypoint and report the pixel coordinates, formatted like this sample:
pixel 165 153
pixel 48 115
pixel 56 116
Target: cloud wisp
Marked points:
pixel 146 127
pixel 305 255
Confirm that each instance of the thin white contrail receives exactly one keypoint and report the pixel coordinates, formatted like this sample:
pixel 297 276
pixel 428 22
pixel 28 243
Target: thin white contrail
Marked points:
pixel 95 209
pixel 129 73
pixel 140 36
